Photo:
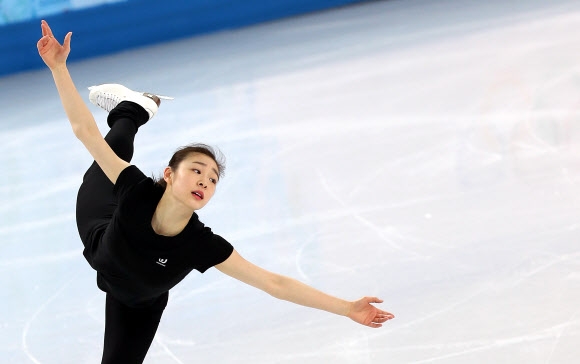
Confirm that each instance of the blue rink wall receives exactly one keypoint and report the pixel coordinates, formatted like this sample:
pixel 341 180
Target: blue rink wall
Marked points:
pixel 119 26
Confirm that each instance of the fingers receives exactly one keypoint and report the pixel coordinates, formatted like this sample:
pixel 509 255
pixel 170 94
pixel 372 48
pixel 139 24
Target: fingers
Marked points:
pixel 385 314
pixel 41 43
pixel 44 44
pixel 47 32
pixel 46 29
pixel 379 320
pixel 66 43
pixel 374 316
pixel 383 318
pixel 374 300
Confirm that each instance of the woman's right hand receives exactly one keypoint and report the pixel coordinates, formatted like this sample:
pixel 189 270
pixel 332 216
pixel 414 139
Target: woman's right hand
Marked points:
pixel 366 314
pixel 51 51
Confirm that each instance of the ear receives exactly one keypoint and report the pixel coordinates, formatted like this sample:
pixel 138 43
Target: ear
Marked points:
pixel 168 175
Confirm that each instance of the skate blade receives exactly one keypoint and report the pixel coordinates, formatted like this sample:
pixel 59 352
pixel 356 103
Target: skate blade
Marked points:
pixel 165 97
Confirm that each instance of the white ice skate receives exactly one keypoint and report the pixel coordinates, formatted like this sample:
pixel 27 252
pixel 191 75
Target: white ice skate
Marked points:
pixel 109 95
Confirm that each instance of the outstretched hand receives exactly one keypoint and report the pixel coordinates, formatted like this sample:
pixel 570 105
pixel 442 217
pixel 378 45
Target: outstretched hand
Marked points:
pixel 366 314
pixel 51 51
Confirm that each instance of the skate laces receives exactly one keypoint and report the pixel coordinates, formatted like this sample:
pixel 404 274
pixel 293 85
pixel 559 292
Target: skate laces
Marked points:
pixel 107 101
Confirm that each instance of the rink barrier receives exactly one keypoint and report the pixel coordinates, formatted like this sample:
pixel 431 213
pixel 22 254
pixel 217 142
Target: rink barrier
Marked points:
pixel 121 26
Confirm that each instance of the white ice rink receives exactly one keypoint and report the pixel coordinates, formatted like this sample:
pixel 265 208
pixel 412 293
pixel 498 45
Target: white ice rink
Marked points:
pixel 427 152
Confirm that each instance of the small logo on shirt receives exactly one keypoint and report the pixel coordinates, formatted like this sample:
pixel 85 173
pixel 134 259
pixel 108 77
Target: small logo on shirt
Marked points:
pixel 161 262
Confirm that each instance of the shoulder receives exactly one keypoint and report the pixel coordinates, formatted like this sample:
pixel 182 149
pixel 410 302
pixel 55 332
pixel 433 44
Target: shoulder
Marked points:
pixel 130 178
pixel 208 248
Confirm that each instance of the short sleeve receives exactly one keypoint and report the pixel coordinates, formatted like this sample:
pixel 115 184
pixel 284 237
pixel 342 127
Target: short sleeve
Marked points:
pixel 215 251
pixel 128 178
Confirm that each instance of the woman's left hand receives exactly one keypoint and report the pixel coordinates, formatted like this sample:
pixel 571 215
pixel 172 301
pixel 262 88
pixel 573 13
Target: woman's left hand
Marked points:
pixel 50 50
pixel 366 314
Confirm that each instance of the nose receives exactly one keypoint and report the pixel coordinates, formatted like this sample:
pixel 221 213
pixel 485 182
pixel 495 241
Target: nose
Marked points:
pixel 200 183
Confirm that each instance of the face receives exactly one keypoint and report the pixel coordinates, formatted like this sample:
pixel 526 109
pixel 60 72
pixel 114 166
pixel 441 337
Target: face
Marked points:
pixel 194 181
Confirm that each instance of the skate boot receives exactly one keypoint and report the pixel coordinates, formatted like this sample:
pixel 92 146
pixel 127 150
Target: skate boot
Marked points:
pixel 108 96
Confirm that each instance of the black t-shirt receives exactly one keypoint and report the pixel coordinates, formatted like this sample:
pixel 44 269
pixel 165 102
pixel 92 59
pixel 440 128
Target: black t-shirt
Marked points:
pixel 135 264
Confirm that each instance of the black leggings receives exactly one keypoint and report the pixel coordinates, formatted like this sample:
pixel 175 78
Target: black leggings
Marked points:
pixel 129 331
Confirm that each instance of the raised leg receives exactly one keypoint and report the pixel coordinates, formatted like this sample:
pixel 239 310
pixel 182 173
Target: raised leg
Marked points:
pixel 96 202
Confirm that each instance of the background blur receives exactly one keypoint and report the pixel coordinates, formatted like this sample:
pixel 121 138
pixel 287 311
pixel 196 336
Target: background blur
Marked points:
pixel 107 26
pixel 15 11
pixel 426 152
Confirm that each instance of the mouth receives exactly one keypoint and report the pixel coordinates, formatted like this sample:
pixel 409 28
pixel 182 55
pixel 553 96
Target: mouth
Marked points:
pixel 198 195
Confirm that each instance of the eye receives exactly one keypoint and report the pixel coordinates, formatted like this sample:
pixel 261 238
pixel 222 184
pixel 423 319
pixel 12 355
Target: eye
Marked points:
pixel 213 180
pixel 196 171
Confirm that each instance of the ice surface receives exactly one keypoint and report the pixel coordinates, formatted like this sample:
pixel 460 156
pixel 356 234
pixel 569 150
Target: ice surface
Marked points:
pixel 426 152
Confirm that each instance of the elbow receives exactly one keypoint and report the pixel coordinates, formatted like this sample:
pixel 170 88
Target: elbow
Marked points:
pixel 84 133
pixel 275 286
pixel 80 132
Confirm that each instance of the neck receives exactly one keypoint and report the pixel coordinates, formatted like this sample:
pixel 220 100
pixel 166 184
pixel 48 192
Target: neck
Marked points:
pixel 170 217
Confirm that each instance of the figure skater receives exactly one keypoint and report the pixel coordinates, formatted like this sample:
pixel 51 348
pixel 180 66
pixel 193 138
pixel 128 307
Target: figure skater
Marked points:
pixel 143 236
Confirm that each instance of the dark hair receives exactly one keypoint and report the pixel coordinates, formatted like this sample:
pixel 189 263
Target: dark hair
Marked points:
pixel 183 152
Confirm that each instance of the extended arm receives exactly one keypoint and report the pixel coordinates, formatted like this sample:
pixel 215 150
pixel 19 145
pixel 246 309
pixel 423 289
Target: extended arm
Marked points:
pixel 79 115
pixel 289 289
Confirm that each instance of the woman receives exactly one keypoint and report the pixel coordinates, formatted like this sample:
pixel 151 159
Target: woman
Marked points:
pixel 143 237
